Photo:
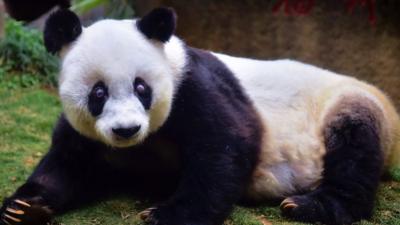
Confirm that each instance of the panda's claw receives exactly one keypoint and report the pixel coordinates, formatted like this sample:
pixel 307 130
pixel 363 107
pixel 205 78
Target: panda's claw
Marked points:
pixel 14 211
pixel 146 214
pixel 288 204
pixel 30 211
pixel 285 201
pixel 22 203
pixel 12 218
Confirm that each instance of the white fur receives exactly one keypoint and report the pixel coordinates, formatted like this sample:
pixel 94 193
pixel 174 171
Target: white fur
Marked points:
pixel 115 52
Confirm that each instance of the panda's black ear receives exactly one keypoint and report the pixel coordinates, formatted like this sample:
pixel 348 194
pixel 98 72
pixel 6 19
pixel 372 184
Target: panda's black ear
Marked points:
pixel 158 24
pixel 62 27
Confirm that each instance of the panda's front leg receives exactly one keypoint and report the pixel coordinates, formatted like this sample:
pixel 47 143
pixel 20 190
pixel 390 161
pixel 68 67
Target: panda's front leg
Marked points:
pixel 213 180
pixel 25 208
pixel 62 180
pixel 53 187
pixel 59 183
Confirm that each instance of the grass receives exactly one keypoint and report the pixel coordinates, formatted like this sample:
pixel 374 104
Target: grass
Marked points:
pixel 26 120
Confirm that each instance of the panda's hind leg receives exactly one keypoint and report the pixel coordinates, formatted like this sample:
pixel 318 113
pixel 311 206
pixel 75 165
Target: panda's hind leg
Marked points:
pixel 352 166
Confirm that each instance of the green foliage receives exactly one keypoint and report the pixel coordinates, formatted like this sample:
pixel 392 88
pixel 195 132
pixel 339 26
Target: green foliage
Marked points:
pixel 84 6
pixel 24 60
pixel 395 173
pixel 118 9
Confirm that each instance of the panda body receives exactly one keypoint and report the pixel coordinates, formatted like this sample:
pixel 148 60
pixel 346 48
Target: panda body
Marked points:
pixel 143 112
pixel 294 100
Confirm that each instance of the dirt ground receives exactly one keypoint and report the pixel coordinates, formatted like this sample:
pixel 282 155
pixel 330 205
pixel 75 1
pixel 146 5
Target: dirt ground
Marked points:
pixel 328 37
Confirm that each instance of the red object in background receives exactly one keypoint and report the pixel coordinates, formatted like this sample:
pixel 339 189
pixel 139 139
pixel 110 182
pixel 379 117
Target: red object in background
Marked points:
pixel 370 4
pixel 294 7
pixel 304 7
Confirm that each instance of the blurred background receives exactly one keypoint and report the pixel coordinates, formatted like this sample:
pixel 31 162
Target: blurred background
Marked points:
pixel 359 38
pixel 355 37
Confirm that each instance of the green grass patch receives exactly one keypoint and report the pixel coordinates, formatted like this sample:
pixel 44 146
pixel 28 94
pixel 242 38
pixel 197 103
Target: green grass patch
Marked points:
pixel 24 61
pixel 27 117
pixel 395 173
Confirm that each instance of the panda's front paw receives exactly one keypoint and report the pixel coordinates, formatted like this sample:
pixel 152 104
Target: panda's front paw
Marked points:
pixel 25 212
pixel 302 208
pixel 146 215
pixel 161 215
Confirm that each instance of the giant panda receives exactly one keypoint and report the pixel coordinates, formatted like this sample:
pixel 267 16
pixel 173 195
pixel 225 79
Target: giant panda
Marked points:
pixel 148 115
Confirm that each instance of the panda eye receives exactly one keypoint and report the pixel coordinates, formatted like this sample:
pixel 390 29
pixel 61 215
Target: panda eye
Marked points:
pixel 99 92
pixel 97 98
pixel 141 88
pixel 143 92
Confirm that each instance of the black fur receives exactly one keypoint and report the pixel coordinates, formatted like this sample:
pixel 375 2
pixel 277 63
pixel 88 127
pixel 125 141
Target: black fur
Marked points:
pixel 220 135
pixel 159 24
pixel 204 154
pixel 353 165
pixel 62 27
pixel 28 10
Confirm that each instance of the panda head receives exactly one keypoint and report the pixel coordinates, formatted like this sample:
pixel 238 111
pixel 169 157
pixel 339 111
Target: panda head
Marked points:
pixel 116 82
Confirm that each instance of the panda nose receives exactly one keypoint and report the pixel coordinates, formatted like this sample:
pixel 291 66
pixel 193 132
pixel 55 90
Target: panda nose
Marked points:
pixel 126 132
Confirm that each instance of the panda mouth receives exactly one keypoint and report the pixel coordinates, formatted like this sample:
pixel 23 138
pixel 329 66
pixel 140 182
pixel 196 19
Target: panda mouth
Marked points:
pixel 125 142
pixel 125 135
pixel 121 139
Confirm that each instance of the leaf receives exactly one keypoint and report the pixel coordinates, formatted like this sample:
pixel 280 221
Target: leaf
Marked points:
pixel 86 5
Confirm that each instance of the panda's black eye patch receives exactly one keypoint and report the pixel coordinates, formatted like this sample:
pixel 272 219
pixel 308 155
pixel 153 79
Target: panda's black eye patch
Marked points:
pixel 97 98
pixel 143 92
